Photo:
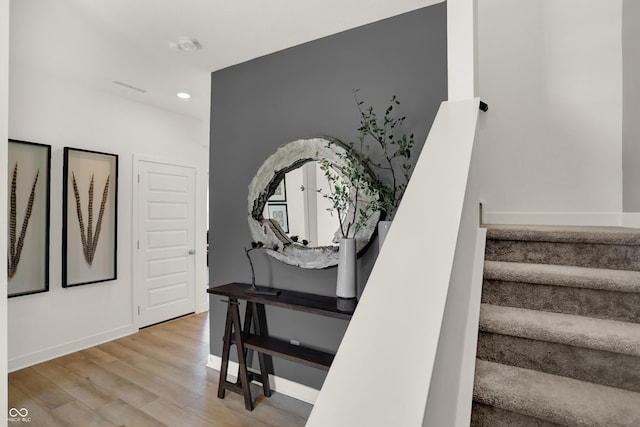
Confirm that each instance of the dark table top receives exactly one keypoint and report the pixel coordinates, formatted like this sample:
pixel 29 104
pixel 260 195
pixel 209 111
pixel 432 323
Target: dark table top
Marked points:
pixel 299 301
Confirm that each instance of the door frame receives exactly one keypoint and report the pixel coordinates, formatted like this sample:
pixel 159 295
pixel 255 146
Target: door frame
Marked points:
pixel 135 297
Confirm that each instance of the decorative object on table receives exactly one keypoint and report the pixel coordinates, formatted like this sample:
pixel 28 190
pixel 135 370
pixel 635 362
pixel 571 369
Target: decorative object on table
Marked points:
pixel 280 192
pixel 28 218
pixel 89 228
pixel 288 160
pixel 253 289
pixel 348 185
pixel 278 212
pixel 347 282
pixel 391 166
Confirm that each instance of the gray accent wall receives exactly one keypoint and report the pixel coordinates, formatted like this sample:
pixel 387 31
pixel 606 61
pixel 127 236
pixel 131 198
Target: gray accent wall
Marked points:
pixel 631 105
pixel 305 91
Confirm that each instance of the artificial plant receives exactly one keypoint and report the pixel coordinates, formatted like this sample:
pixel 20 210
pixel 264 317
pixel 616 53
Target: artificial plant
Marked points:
pixel 352 191
pixel 393 171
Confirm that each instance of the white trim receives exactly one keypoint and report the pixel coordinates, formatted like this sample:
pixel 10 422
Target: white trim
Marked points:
pixel 630 219
pixel 468 368
pixel 281 385
pixel 462 49
pixel 50 353
pixel 554 218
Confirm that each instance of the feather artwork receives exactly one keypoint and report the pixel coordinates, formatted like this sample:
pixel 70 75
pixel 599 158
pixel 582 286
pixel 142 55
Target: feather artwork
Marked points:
pixel 16 245
pixel 89 237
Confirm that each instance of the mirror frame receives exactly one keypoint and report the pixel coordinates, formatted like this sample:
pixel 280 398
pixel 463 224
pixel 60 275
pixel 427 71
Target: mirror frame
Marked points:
pixel 288 157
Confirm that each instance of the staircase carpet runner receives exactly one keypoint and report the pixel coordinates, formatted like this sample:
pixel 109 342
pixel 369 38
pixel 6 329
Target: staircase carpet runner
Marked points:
pixel 559 336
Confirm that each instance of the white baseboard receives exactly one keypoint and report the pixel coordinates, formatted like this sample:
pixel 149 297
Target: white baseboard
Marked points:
pixel 281 385
pixel 555 218
pixel 630 219
pixel 40 356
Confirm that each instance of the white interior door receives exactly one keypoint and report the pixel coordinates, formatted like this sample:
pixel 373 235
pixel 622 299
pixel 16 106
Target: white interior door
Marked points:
pixel 165 261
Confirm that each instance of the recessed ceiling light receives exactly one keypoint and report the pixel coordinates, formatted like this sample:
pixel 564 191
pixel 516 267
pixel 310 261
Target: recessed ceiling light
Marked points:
pixel 183 95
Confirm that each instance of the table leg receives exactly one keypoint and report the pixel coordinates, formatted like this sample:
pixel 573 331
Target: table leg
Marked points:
pixel 226 347
pixel 233 327
pixel 264 372
pixel 242 362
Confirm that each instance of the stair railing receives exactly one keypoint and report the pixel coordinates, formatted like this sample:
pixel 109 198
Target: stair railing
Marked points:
pixel 412 317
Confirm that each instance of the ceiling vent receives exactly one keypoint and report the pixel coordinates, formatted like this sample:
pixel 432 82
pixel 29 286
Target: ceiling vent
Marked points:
pixel 128 86
pixel 186 44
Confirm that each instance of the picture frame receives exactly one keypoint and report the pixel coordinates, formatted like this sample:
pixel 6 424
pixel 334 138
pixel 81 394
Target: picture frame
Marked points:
pixel 28 217
pixel 278 212
pixel 89 217
pixel 280 193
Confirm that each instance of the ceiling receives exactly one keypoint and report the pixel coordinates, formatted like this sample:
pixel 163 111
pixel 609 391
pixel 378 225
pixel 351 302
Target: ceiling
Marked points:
pixel 97 42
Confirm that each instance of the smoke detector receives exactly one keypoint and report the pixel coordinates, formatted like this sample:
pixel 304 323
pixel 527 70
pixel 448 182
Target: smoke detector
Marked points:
pixel 186 44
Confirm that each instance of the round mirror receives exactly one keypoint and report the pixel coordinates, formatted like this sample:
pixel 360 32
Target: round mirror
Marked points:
pixel 288 210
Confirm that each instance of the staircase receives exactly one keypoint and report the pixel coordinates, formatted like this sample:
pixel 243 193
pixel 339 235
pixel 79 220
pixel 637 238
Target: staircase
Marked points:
pixel 559 338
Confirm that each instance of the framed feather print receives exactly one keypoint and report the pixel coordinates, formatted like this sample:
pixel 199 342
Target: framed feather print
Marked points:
pixel 29 166
pixel 90 217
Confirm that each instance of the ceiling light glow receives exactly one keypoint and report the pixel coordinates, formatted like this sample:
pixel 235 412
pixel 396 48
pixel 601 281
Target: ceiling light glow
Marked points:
pixel 183 95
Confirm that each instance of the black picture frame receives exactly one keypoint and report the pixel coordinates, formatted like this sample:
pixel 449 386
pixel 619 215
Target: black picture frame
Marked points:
pixel 28 217
pixel 280 193
pixel 89 228
pixel 278 212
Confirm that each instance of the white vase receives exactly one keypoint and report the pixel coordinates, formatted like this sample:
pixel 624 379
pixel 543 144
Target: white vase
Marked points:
pixel 347 284
pixel 383 229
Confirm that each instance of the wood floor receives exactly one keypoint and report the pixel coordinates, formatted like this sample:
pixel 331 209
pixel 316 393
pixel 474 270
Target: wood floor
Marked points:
pixel 156 377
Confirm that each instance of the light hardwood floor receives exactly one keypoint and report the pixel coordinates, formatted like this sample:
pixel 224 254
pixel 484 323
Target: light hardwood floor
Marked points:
pixel 156 377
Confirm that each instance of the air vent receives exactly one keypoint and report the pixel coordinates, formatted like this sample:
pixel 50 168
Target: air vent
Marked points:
pixel 128 86
pixel 186 44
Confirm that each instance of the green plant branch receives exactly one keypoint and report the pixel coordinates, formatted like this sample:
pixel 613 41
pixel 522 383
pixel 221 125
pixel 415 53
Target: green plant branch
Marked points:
pixel 393 150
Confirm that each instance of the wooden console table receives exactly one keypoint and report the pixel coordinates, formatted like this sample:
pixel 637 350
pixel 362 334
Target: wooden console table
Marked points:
pixel 241 335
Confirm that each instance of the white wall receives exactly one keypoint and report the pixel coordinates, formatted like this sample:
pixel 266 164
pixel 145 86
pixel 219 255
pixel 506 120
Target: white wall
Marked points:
pixel 631 104
pixel 551 73
pixel 49 110
pixel 4 132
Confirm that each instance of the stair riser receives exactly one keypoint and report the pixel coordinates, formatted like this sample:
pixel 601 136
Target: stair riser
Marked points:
pixel 622 306
pixel 616 257
pixel 610 369
pixel 490 416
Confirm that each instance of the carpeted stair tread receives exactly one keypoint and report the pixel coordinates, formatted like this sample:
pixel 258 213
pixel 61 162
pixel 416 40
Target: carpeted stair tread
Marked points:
pixel 554 398
pixel 570 234
pixel 563 275
pixel 598 334
pixel 580 363
pixel 490 416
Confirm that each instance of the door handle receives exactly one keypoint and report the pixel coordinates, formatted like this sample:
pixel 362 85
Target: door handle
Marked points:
pixel 192 251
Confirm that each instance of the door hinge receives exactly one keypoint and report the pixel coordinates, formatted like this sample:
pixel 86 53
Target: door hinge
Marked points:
pixel 138 244
pixel 138 310
pixel 138 178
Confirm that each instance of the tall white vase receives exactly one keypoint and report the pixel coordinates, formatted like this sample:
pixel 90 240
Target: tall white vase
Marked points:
pixel 347 270
pixel 383 229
